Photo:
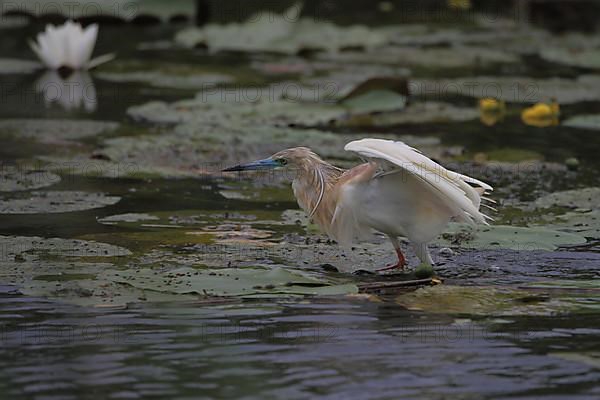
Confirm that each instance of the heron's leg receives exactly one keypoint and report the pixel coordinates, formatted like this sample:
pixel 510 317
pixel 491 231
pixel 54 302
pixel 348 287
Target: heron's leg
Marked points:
pixel 422 252
pixel 401 260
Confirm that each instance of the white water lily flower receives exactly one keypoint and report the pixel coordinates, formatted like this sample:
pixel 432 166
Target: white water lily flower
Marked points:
pixel 68 46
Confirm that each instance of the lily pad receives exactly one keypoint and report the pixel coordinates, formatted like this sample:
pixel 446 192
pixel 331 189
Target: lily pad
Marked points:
pixel 228 282
pixel 435 57
pixel 496 301
pixel 274 105
pixel 53 131
pixel 577 198
pixel 375 101
pixel 584 58
pixel 513 155
pixel 585 223
pixel 28 248
pixel 282 33
pixel 54 202
pixel 15 66
pixel 13 179
pixel 196 150
pixel 163 80
pixel 82 165
pixel 93 292
pixel 77 283
pixel 130 217
pixel 584 122
pixel 414 113
pixel 124 9
pixel 508 237
pixel 513 89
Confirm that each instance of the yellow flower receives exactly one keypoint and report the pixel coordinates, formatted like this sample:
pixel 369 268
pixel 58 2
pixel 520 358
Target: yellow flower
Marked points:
pixel 491 111
pixel 542 114
pixel 491 104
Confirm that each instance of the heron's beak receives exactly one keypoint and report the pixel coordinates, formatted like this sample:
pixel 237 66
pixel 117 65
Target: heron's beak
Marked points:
pixel 267 163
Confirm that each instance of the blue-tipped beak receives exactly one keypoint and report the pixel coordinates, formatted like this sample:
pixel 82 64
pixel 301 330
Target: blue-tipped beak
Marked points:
pixel 267 163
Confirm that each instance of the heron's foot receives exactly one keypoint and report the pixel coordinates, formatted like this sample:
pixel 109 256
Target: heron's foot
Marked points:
pixel 392 267
pixel 399 265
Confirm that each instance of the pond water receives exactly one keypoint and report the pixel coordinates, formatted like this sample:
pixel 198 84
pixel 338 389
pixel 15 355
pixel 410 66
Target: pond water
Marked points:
pixel 101 253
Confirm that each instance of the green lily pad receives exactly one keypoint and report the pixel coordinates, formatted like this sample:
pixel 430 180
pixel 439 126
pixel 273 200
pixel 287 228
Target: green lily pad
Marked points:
pixel 54 202
pixel 497 301
pixel 97 293
pixel 157 112
pixel 375 101
pixel 13 179
pixel 414 113
pixel 15 66
pixel 130 217
pixel 513 155
pixel 514 89
pixel 228 282
pixel 28 248
pixel 508 237
pixel 83 165
pixel 584 58
pixel 224 108
pixel 577 198
pixel 457 56
pixel 582 223
pixel 195 150
pixel 163 80
pixel 584 122
pixel 53 131
pixel 282 33
pixel 124 9
pixel 78 283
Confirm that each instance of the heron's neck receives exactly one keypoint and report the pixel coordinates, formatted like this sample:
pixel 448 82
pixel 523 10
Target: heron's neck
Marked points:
pixel 314 186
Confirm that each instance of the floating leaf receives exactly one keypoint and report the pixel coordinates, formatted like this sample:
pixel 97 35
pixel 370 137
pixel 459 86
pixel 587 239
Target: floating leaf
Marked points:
pixel 577 198
pixel 228 282
pixel 13 179
pixel 414 113
pixel 54 131
pixel 33 247
pixel 15 66
pixel 584 122
pixel 164 80
pixel 517 89
pixel 508 237
pixel 583 223
pixel 54 202
pixel 585 58
pixel 456 56
pixel 497 301
pixel 130 217
pixel 284 33
pixel 375 101
pixel 124 9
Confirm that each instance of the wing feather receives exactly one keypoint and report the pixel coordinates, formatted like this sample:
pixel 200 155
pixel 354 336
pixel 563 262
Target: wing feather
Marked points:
pixel 454 188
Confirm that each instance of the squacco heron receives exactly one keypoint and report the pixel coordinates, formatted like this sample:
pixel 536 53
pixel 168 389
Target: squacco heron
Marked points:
pixel 398 191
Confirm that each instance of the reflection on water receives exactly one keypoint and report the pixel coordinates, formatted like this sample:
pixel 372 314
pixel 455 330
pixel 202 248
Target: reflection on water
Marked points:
pixel 72 92
pixel 283 350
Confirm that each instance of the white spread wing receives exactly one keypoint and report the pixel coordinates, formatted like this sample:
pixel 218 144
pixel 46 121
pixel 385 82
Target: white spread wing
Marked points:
pixel 453 188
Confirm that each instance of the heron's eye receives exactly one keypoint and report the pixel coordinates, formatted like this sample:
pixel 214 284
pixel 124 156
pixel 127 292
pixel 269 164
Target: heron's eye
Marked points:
pixel 283 161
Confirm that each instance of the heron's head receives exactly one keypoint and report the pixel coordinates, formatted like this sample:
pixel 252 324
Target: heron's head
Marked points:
pixel 297 157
